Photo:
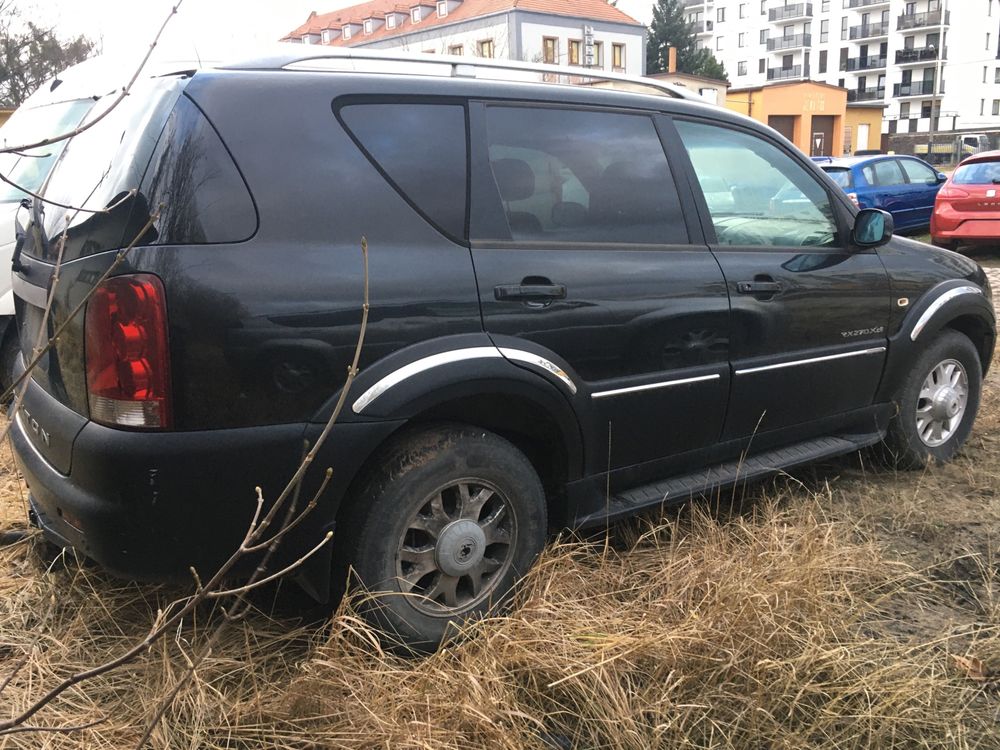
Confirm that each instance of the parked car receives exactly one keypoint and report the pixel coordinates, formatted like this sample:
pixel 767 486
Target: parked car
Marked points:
pixel 902 185
pixel 967 210
pixel 584 303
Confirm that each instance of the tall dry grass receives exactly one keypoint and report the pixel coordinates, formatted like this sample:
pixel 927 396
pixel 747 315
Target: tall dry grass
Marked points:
pixel 768 628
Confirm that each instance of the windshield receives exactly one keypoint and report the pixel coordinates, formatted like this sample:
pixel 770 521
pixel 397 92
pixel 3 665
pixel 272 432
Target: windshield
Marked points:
pixel 840 175
pixel 980 173
pixel 30 169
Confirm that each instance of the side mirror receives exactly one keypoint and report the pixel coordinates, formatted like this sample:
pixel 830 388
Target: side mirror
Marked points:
pixel 872 227
pixel 941 177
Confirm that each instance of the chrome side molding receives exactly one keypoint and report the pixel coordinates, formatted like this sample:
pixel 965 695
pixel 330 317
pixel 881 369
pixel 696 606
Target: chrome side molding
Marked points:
pixel 654 386
pixel 812 360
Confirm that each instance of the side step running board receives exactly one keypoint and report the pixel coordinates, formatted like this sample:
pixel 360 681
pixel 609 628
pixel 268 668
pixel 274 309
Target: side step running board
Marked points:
pixel 679 488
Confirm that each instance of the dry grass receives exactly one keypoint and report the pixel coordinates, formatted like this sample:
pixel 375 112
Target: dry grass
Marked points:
pixel 820 612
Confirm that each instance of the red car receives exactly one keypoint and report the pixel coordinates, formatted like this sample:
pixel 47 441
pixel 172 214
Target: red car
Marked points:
pixel 967 209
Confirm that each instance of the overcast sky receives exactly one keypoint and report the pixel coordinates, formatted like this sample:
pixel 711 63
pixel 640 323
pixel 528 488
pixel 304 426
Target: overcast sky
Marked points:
pixel 209 29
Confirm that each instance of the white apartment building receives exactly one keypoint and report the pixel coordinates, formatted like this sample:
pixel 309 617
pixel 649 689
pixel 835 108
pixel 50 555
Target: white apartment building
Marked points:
pixel 589 33
pixel 888 52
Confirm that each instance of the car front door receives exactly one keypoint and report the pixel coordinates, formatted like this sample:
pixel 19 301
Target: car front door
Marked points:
pixel 809 313
pixel 583 254
pixel 888 191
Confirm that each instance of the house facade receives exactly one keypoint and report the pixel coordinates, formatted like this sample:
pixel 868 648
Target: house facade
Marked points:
pixel 585 33
pixel 914 58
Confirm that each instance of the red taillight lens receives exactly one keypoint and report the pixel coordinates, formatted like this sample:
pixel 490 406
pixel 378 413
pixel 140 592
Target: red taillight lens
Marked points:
pixel 128 359
pixel 949 192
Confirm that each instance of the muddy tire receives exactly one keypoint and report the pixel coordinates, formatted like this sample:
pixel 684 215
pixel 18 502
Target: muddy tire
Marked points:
pixel 442 530
pixel 936 403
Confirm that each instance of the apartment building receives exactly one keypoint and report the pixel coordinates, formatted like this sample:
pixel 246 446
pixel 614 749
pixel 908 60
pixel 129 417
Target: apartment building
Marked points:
pixel 588 33
pixel 914 58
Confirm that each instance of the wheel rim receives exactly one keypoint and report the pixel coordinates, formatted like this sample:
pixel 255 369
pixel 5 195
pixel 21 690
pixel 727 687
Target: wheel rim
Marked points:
pixel 942 402
pixel 457 547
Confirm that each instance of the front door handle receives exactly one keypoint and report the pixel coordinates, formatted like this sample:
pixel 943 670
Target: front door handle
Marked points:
pixel 529 292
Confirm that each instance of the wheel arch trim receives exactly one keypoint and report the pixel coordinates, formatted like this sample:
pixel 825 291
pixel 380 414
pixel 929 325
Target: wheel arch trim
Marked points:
pixel 938 304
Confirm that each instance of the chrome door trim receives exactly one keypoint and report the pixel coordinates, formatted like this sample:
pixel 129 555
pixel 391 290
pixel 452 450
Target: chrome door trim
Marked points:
pixel 812 360
pixel 652 386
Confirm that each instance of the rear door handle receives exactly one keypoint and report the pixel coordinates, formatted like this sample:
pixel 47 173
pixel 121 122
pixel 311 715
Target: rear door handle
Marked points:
pixel 529 292
pixel 758 287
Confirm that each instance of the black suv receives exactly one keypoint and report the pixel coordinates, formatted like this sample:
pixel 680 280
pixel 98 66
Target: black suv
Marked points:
pixel 584 302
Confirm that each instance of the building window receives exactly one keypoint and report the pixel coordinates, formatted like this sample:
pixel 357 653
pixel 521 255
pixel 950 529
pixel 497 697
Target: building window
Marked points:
pixel 485 47
pixel 456 49
pixel 763 7
pixel 741 68
pixel 741 39
pixel 415 14
pixel 996 107
pixel 824 30
pixel 982 107
pixel 549 49
pixel 843 28
pixel 347 32
pixel 822 60
pixel 390 21
pixel 743 10
pixel 718 42
pixel 442 8
pixel 598 55
pixel 574 51
pixel 825 7
pixel 763 36
pixel 618 57
pixel 720 15
pixel 368 26
pixel 904 111
pixel 762 65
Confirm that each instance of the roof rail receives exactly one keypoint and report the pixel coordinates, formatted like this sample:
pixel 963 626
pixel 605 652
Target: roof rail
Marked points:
pixel 287 57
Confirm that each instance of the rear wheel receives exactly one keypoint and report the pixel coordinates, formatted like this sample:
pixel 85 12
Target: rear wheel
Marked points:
pixel 937 403
pixel 445 526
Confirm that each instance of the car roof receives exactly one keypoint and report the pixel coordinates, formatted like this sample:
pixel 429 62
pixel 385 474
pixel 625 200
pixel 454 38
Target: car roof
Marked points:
pixel 981 157
pixel 854 161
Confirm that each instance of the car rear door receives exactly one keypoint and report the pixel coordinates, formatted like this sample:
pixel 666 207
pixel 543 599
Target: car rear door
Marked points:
pixel 809 314
pixel 887 191
pixel 583 254
pixel 921 189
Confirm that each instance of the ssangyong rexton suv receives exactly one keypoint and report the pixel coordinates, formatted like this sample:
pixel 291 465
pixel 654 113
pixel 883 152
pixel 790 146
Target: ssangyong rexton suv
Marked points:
pixel 584 302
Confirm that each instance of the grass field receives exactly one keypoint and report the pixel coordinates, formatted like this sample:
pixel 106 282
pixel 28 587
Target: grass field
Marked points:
pixel 844 607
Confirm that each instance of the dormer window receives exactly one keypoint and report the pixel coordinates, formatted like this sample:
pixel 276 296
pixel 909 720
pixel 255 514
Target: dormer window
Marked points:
pixel 368 26
pixel 442 8
pixel 390 21
pixel 415 14
pixel 347 32
pixel 326 36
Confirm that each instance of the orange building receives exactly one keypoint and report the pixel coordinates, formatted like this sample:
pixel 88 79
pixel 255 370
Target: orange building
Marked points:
pixel 814 116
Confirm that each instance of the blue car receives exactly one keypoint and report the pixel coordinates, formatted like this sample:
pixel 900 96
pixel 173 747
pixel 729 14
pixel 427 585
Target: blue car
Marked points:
pixel 902 185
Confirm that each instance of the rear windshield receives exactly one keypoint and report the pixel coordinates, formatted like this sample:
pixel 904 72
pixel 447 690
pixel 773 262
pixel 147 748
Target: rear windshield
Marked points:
pixel 980 173
pixel 30 168
pixel 100 167
pixel 840 175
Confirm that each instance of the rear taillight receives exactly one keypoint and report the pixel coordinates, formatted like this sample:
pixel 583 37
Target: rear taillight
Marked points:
pixel 949 192
pixel 854 199
pixel 128 359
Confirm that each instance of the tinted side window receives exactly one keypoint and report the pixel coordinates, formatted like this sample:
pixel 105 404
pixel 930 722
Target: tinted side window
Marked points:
pixel 421 148
pixel 756 193
pixel 582 176
pixel 192 176
pixel 885 172
pixel 918 173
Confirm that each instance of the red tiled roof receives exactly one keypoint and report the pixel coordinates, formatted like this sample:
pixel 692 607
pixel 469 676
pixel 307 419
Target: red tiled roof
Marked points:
pixel 588 9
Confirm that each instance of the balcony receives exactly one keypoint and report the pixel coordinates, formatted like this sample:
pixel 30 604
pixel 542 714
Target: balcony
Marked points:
pixel 866 95
pixel 689 3
pixel 704 27
pixel 786 74
pixel 863 63
pixel 914 88
pixel 850 4
pixel 869 31
pixel 798 11
pixel 909 21
pixel 792 41
pixel 919 55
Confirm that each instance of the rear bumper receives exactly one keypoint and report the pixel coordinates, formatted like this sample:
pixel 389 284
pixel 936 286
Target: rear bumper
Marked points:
pixel 152 505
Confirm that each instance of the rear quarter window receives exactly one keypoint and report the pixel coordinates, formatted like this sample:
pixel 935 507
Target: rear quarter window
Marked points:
pixel 421 149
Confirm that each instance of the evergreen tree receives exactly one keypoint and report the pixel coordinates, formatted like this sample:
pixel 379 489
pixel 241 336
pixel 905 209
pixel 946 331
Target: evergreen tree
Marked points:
pixel 670 29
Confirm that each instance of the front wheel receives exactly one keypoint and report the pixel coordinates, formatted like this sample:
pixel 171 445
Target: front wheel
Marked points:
pixel 449 521
pixel 936 403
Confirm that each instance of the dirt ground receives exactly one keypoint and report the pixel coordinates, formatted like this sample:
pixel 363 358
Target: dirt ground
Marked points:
pixel 846 606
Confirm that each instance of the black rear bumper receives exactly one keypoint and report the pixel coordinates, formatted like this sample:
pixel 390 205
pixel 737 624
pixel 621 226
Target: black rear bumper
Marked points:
pixel 151 505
